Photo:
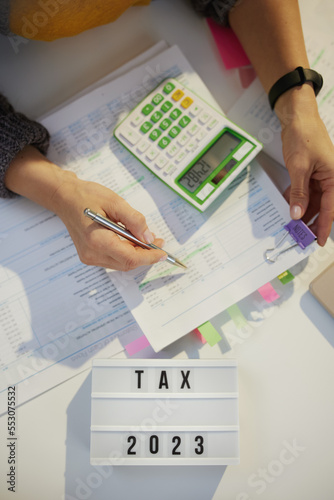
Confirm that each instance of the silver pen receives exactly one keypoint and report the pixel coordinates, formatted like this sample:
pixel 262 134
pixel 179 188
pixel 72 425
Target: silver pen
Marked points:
pixel 121 231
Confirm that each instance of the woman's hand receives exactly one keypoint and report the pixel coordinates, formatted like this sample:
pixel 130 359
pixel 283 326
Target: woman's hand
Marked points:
pixel 35 177
pixel 95 244
pixel 309 157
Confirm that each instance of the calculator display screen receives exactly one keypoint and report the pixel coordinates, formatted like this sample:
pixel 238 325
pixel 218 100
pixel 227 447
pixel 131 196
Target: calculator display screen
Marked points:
pixel 207 163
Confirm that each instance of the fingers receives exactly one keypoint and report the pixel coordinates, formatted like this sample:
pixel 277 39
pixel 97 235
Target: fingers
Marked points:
pixel 326 216
pixel 299 190
pixel 104 248
pixel 133 220
pixel 320 202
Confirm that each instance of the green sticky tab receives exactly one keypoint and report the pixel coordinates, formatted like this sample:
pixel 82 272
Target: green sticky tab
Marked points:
pixel 209 333
pixel 237 317
pixel 285 277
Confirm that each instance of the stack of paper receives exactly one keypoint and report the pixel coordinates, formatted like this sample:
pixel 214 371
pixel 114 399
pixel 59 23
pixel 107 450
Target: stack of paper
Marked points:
pixel 41 275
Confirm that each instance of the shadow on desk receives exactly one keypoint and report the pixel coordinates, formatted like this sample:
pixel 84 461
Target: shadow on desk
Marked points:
pixel 321 319
pixel 83 481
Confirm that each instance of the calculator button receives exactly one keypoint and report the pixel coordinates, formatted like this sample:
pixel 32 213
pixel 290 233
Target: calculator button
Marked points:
pixel 157 99
pixel 161 161
pixel 183 139
pixel 155 134
pixel 167 105
pixel 130 135
pixel 155 117
pixel 168 88
pixel 169 170
pixel 180 156
pixel 194 110
pixel 164 142
pixel 177 95
pixel 242 151
pixel 142 146
pixel 151 153
pixel 201 134
pixel 174 131
pixel 204 117
pixel 172 150
pixel 165 124
pixel 203 193
pixel 193 129
pixel 147 109
pixel 212 123
pixel 146 126
pixel 137 120
pixel 191 145
pixel 184 121
pixel 187 101
pixel 175 113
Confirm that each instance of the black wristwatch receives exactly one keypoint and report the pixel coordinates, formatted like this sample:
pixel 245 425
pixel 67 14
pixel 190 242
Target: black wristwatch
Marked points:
pixel 293 79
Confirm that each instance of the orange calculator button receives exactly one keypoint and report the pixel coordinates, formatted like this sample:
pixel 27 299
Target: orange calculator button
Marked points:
pixel 177 95
pixel 186 102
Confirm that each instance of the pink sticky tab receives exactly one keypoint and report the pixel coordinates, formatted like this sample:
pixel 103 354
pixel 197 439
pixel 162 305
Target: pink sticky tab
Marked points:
pixel 268 293
pixel 137 345
pixel 230 49
pixel 199 335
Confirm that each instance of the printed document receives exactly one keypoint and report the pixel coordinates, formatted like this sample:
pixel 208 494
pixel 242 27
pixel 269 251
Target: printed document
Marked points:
pixel 223 247
pixel 57 313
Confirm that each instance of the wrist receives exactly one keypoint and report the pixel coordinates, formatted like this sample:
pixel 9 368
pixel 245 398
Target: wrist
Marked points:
pixel 64 192
pixel 33 176
pixel 295 104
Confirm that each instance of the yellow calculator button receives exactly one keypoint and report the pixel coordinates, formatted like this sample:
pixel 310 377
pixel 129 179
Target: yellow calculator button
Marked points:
pixel 186 102
pixel 177 95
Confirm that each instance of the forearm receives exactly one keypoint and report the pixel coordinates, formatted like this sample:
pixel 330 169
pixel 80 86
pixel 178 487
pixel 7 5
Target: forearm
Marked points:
pixel 271 33
pixel 33 176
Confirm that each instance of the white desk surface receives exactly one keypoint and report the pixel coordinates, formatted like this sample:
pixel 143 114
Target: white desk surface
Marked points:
pixel 285 356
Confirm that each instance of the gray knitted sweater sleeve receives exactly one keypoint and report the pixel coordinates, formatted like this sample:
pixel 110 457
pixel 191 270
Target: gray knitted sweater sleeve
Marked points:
pixel 17 131
pixel 4 17
pixel 216 9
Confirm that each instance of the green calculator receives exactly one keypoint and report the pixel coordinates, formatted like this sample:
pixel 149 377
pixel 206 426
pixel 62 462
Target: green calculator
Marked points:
pixel 189 145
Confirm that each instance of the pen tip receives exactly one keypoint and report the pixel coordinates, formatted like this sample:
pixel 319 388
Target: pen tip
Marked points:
pixel 180 264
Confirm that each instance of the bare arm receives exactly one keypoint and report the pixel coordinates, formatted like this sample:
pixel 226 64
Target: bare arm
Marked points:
pixel 30 174
pixel 271 34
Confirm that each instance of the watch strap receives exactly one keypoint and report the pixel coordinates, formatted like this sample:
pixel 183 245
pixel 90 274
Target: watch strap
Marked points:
pixel 297 77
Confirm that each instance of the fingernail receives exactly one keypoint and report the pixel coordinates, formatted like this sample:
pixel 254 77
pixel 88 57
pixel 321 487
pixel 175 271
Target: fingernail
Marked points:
pixel 164 257
pixel 296 212
pixel 148 236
